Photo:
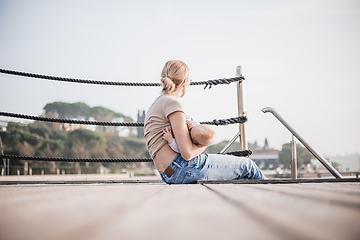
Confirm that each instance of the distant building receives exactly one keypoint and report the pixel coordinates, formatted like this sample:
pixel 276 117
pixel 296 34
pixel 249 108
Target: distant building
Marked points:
pixel 3 125
pixel 69 127
pixel 348 163
pixel 265 157
pixel 140 119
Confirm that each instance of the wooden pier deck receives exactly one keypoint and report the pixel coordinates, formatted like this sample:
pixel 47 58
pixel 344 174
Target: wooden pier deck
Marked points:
pixel 154 210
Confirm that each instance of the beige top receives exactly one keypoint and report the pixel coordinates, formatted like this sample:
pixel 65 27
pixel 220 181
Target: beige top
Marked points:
pixel 156 120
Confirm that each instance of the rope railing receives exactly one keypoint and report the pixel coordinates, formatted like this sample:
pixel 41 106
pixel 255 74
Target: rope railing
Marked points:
pixel 243 153
pixel 217 122
pixel 240 119
pixel 85 81
pixel 62 159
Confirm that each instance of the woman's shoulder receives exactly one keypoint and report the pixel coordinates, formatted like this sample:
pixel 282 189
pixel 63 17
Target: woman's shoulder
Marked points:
pixel 166 99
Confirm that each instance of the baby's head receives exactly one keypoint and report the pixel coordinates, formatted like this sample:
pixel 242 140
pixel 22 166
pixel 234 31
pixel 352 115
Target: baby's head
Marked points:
pixel 202 135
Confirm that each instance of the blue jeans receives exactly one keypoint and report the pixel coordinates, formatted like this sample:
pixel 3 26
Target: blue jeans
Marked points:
pixel 212 167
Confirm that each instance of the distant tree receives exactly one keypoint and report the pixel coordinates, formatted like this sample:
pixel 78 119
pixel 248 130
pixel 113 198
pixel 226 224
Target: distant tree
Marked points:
pixel 82 110
pixel 48 139
pixel 26 149
pixel 16 135
pixel 335 165
pixel 216 148
pixel 68 110
pixel 103 114
pixel 51 148
pixel 17 140
pixel 114 146
pixel 303 155
pixel 48 130
pixel 84 143
pixel 134 148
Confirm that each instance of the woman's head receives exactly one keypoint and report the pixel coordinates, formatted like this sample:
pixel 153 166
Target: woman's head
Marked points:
pixel 174 74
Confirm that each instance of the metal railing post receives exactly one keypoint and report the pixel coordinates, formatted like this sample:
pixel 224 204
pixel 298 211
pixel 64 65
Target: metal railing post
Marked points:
pixel 293 159
pixel 2 153
pixel 241 110
pixel 323 161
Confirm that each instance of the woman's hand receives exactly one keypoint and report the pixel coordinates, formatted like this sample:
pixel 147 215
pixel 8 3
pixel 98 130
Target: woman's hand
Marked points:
pixel 168 135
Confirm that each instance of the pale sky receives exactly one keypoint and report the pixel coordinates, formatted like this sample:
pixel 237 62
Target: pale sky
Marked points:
pixel 300 57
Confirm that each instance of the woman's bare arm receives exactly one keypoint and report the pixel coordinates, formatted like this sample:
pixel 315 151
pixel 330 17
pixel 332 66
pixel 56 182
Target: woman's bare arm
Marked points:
pixel 188 150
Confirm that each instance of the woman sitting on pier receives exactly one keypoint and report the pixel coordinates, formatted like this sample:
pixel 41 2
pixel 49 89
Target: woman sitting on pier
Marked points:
pixel 191 164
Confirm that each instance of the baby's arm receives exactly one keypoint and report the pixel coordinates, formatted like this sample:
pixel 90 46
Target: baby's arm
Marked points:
pixel 171 140
pixel 168 135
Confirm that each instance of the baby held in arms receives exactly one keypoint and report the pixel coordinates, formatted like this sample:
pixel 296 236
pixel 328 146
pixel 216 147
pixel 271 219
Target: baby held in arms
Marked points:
pixel 200 135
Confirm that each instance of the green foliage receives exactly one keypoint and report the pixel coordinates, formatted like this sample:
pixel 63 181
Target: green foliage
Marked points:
pixel 52 140
pixel 83 143
pixel 216 148
pixel 68 110
pixel 17 135
pixel 135 148
pixel 51 148
pixel 48 130
pixel 81 110
pixel 114 145
pixel 335 165
pixel 40 139
pixel 104 114
pixel 303 155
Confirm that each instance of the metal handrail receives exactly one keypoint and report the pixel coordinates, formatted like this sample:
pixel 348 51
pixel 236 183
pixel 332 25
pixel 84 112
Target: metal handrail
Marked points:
pixel 229 143
pixel 325 163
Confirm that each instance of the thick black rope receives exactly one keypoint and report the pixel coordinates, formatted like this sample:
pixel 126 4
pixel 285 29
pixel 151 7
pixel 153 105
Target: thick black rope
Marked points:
pixel 75 80
pixel 244 153
pixel 240 119
pixel 217 122
pixel 61 159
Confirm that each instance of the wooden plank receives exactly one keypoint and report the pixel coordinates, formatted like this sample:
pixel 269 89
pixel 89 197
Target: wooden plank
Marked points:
pixel 186 212
pixel 80 181
pixel 141 211
pixel 281 181
pixel 153 211
pixel 65 212
pixel 289 209
pixel 343 194
pixel 340 188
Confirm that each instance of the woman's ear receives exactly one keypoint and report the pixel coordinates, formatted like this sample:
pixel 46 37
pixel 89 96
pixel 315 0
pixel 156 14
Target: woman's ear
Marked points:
pixel 183 90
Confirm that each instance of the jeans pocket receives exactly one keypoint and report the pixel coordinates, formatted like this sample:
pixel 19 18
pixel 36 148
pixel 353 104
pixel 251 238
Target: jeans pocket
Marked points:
pixel 194 177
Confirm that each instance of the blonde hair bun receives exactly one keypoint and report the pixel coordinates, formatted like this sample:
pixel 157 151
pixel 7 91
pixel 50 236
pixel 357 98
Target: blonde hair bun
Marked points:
pixel 168 85
pixel 173 74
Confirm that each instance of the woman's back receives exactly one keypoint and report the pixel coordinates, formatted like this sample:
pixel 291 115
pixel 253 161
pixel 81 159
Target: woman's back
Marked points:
pixel 156 120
